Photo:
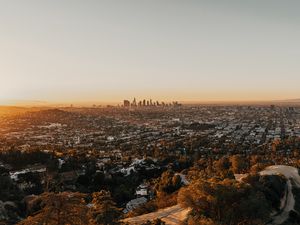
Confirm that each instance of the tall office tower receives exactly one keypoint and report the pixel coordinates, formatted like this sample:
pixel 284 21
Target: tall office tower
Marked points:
pixel 134 102
pixel 126 103
pixel 144 102
pixel 147 102
pixel 140 103
pixel 150 101
pixel 157 103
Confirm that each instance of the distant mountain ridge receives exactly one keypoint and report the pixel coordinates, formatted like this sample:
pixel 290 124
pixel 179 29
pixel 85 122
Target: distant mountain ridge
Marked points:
pixel 295 101
pixel 292 100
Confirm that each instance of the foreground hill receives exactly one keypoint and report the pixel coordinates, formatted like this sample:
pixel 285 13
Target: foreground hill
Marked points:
pixel 288 202
pixel 287 213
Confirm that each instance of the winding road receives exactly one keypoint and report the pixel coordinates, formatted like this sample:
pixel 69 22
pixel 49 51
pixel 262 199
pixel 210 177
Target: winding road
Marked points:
pixel 288 201
pixel 175 215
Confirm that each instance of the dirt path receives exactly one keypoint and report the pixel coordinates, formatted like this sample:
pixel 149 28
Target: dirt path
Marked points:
pixel 171 216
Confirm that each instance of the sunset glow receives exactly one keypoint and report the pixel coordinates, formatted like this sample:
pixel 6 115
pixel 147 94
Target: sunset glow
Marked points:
pixel 58 52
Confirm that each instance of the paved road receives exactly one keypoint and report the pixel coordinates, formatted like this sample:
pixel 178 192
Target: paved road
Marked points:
pixel 288 201
pixel 173 215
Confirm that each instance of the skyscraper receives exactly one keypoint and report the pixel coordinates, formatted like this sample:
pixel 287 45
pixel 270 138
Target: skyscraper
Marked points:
pixel 134 102
pixel 126 103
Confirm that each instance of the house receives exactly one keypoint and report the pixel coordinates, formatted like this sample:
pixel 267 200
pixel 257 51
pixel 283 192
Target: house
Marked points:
pixel 134 203
pixel 142 191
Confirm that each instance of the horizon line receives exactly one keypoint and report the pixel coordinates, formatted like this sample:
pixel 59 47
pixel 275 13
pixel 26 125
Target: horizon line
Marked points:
pixel 37 103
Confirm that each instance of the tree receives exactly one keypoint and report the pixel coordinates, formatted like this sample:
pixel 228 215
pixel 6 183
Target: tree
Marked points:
pixel 103 208
pixel 223 168
pixel 238 164
pixel 222 164
pixel 169 182
pixel 49 177
pixel 155 222
pixel 60 209
pixel 34 183
pixel 9 190
pixel 200 221
pixel 225 202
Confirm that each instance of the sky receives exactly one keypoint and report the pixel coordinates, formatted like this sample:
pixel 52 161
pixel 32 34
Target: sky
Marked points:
pixel 64 51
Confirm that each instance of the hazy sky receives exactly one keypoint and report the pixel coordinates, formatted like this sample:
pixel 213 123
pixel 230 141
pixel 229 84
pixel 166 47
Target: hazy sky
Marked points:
pixel 71 50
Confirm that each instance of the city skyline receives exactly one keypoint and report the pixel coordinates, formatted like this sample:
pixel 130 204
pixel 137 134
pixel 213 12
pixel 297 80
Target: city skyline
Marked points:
pixel 106 51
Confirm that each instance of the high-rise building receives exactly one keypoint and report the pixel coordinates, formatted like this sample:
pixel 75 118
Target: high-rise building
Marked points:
pixel 134 102
pixel 126 103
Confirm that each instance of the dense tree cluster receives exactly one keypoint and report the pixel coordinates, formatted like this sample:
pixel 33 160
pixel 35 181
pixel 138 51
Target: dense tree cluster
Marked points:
pixel 73 208
pixel 216 197
pixel 225 202
pixel 168 182
pixel 61 208
pixel 19 159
